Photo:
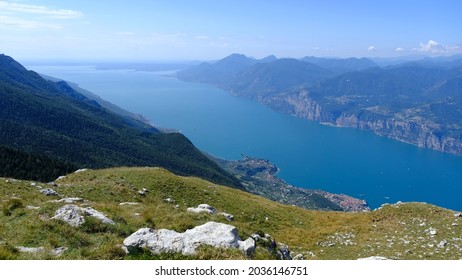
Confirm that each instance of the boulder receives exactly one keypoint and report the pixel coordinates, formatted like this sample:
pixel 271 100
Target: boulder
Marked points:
pixel 374 258
pixel 228 217
pixel 203 208
pixel 74 215
pixel 169 241
pixel 283 252
pixel 32 250
pixel 68 200
pixel 49 192
pixel 247 246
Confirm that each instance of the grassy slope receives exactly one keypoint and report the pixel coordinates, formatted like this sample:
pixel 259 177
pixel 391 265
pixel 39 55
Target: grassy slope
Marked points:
pixel 397 231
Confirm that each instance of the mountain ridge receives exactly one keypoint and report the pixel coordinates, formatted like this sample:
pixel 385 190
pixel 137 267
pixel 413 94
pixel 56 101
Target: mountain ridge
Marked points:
pixel 42 117
pixel 417 103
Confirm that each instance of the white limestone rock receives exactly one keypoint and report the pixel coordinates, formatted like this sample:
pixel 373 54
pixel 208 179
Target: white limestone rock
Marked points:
pixel 74 215
pixel 228 217
pixel 202 208
pixel 374 258
pixel 128 203
pixel 68 200
pixel 49 192
pixel 186 243
pixel 32 250
pixel 247 246
pixel 58 251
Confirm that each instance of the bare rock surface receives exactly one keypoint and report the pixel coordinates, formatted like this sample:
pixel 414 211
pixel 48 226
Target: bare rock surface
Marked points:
pixel 75 215
pixel 169 241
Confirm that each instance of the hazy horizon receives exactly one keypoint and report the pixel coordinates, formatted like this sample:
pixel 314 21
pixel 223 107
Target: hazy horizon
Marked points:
pixel 209 30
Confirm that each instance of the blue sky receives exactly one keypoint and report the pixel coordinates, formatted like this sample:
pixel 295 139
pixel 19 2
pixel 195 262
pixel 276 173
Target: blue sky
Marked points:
pixel 211 29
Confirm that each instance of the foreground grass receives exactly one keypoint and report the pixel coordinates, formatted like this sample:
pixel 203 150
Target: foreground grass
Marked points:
pixel 403 231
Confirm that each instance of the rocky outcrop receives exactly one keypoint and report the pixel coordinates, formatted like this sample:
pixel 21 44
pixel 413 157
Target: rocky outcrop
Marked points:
pixel 374 258
pixel 68 200
pixel 49 192
pixel 169 241
pixel 75 215
pixel 202 208
pixel 205 208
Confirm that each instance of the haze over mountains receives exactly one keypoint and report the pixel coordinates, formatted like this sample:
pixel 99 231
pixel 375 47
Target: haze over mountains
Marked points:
pixel 416 101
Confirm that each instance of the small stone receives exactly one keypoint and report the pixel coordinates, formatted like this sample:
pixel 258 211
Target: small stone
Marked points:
pixel 299 257
pixel 442 244
pixel 458 215
pixel 228 217
pixel 128 203
pixel 49 192
pixel 255 236
pixel 374 258
pixel 32 250
pixel 58 251
pixel 169 200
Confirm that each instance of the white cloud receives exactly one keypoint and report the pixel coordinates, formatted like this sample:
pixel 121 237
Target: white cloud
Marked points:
pixel 39 10
pixel 371 49
pixel 400 50
pixel 18 23
pixel 434 47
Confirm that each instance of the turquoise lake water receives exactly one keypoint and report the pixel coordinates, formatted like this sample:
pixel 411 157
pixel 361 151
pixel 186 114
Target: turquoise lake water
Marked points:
pixel 310 155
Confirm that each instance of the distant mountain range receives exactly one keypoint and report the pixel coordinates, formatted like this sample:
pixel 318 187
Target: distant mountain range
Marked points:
pixel 414 101
pixel 51 119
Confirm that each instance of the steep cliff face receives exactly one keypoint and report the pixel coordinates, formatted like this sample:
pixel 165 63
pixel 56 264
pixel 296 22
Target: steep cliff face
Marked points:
pixel 413 130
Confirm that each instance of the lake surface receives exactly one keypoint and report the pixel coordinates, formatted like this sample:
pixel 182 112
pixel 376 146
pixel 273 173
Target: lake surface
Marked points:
pixel 310 155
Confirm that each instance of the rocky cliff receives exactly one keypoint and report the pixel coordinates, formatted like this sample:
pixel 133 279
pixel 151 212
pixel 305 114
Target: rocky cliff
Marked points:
pixel 401 126
pixel 416 103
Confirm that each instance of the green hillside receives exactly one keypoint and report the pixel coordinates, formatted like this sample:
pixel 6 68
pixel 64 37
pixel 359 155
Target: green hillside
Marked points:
pixel 52 119
pixel 400 231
